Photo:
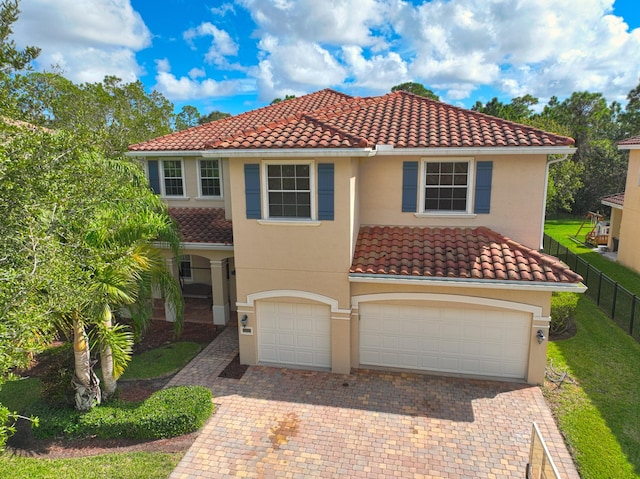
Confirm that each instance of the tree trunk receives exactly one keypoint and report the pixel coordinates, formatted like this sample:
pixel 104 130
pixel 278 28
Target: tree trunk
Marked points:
pixel 85 382
pixel 109 381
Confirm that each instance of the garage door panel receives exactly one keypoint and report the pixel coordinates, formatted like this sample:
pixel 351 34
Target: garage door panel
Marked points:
pixel 297 334
pixel 447 339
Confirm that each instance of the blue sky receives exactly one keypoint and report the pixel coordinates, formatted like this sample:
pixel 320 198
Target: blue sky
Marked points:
pixel 238 55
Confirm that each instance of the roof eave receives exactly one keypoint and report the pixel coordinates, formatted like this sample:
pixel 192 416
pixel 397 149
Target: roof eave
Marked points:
pixel 612 205
pixel 469 283
pixel 629 147
pixel 490 150
pixel 145 153
pixel 198 246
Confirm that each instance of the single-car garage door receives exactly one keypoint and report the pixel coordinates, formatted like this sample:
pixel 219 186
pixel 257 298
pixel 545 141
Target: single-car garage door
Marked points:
pixel 297 334
pixel 471 341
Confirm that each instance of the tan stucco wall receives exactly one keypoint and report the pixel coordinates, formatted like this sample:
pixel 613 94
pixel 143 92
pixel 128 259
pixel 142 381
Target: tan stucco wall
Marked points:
pixel 614 230
pixel 272 256
pixel 629 250
pixel 190 165
pixel 516 196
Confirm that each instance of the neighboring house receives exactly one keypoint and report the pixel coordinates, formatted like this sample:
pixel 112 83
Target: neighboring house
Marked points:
pixel 392 231
pixel 625 210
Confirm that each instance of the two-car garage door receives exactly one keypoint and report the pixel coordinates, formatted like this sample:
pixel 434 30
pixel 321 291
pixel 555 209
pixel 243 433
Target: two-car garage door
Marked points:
pixel 483 342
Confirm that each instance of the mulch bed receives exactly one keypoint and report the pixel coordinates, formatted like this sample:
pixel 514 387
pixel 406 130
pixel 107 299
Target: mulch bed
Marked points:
pixel 160 333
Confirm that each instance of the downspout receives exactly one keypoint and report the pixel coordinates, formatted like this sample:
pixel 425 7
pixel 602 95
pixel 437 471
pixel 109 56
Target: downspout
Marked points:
pixel 544 198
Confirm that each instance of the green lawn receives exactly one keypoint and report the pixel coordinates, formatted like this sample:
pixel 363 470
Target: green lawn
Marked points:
pixel 138 465
pixel 562 230
pixel 600 416
pixel 161 361
pixel 18 395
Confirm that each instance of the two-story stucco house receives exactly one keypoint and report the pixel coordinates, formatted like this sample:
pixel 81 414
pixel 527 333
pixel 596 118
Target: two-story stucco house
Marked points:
pixel 625 228
pixel 388 232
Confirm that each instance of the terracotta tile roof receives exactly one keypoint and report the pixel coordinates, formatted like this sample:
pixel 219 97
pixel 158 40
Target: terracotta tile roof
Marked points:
pixel 329 119
pixel 203 225
pixel 476 254
pixel 634 140
pixel 617 199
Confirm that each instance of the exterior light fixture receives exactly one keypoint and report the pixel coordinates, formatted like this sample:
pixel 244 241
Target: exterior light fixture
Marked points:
pixel 244 320
pixel 540 336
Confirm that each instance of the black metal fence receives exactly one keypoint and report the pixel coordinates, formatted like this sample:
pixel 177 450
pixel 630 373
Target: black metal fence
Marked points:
pixel 622 306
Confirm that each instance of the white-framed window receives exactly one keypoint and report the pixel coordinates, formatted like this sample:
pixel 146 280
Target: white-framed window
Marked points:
pixel 210 178
pixel 173 178
pixel 446 186
pixel 186 272
pixel 290 190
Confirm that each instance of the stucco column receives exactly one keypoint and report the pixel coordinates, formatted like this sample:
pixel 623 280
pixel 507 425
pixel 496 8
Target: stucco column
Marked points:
pixel 341 342
pixel 538 350
pixel 220 285
pixel 169 310
pixel 248 343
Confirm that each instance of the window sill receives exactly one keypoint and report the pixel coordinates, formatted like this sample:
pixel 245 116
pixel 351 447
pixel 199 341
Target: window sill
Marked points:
pixel 209 198
pixel 445 215
pixel 289 222
pixel 164 197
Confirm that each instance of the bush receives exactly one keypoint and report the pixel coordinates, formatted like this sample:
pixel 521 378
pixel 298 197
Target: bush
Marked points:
pixel 56 381
pixel 563 312
pixel 167 413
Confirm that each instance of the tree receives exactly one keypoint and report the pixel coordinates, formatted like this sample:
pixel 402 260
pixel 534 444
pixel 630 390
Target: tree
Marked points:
pixel 278 100
pixel 109 115
pixel 417 89
pixel 189 116
pixel 213 116
pixel 519 110
pixel 12 59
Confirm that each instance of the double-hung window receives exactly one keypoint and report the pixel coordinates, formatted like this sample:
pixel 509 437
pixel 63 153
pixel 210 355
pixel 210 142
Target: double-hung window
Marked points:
pixel 172 177
pixel 446 186
pixel 210 178
pixel 289 193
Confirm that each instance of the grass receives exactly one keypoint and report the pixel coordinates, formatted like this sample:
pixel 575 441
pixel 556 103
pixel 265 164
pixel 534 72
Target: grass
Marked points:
pixel 599 416
pixel 562 230
pixel 161 361
pixel 18 395
pixel 138 465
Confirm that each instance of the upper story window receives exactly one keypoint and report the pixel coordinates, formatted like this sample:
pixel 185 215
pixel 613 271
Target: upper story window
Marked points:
pixel 210 178
pixel 447 186
pixel 173 177
pixel 459 187
pixel 289 193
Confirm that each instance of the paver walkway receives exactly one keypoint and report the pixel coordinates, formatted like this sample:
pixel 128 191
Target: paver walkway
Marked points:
pixel 371 424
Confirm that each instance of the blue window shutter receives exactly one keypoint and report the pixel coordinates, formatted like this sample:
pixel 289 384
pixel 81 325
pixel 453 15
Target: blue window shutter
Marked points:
pixel 252 190
pixel 484 170
pixel 325 191
pixel 154 176
pixel 410 186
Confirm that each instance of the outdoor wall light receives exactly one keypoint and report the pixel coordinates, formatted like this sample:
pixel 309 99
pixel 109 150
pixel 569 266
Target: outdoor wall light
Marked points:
pixel 244 320
pixel 540 336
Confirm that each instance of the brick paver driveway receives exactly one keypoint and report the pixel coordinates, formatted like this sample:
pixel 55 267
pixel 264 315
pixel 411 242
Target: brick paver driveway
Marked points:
pixel 299 424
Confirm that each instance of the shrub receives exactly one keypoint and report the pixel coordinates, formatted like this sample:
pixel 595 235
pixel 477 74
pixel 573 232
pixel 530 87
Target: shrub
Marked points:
pixel 56 381
pixel 563 311
pixel 167 413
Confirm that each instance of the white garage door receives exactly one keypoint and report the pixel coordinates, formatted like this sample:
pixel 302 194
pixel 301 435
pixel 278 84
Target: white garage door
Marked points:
pixel 453 340
pixel 296 334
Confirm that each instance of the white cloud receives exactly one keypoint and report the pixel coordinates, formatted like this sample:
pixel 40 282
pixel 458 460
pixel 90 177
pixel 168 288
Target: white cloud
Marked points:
pixel 295 68
pixel 189 88
pixel 87 39
pixel 222 45
pixel 378 73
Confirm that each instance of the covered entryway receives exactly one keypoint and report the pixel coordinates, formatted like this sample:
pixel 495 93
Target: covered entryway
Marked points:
pixel 293 333
pixel 439 337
